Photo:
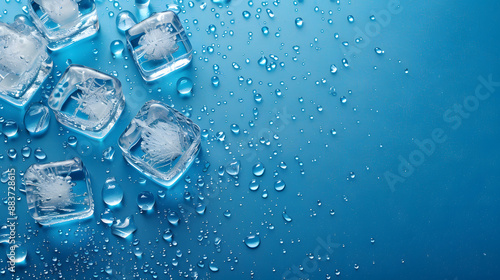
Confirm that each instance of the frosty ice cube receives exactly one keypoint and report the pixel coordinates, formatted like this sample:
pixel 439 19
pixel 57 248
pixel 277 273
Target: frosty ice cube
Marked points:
pixel 87 100
pixel 24 62
pixel 159 45
pixel 160 142
pixel 58 192
pixel 64 22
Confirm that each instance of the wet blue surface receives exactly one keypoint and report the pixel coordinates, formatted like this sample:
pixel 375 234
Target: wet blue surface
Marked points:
pixel 436 220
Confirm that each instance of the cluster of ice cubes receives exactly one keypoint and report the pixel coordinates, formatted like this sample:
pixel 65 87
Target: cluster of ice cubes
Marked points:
pixel 160 141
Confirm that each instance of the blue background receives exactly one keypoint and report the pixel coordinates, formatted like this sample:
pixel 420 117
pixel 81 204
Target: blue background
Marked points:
pixel 440 223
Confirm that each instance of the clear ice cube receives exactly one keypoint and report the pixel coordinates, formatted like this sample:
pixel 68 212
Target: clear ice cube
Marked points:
pixel 87 100
pixel 24 62
pixel 58 192
pixel 161 143
pixel 159 45
pixel 64 22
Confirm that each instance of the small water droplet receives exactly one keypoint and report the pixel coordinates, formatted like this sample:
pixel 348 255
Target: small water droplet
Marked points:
pixel 112 193
pixel 146 200
pixel 252 241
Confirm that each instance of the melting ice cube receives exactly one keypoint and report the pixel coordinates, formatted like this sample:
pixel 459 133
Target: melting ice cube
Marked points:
pixel 87 100
pixel 24 62
pixel 159 45
pixel 160 142
pixel 64 22
pixel 58 191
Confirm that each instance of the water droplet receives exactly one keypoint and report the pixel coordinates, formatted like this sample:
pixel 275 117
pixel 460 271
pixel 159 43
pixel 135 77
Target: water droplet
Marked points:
pixel 20 252
pixel 185 86
pixel 215 81
pixel 379 51
pixel 264 194
pixel 146 200
pixel 343 99
pixel 258 169
pixel 168 235
pixel 9 128
pixel 40 154
pixel 72 140
pixel 265 30
pixel 286 217
pixel 200 209
pixel 235 128
pixel 37 119
pixel 124 227
pixel 299 22
pixel 173 218
pixel 108 153
pixel 233 168
pixel 125 20
pixel 279 185
pixel 26 151
pixel 12 153
pixel 117 47
pixel 350 18
pixel 345 62
pixel 112 193
pixel 227 214
pixel 252 241
pixel 246 14
pixel 174 8
pixel 333 69
pixel 107 217
pixel 254 185
pixel 213 267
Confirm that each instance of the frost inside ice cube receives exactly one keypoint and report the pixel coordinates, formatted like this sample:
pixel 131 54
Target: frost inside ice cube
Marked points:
pixel 159 45
pixel 24 62
pixel 64 22
pixel 87 100
pixel 58 192
pixel 161 143
pixel 60 11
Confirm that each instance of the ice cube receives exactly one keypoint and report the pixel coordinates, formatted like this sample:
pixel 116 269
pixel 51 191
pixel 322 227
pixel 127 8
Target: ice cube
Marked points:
pixel 24 62
pixel 64 22
pixel 159 45
pixel 87 100
pixel 161 143
pixel 58 192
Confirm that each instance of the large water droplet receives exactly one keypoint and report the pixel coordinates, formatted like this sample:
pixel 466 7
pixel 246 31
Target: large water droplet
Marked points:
pixel 9 128
pixel 125 20
pixel 168 235
pixel 124 227
pixel 19 253
pixel 117 47
pixel 37 119
pixel 252 241
pixel 279 185
pixel 333 69
pixel 254 185
pixel 40 154
pixel 173 218
pixel 146 200
pixel 258 169
pixel 233 168
pixel 112 193
pixel 184 87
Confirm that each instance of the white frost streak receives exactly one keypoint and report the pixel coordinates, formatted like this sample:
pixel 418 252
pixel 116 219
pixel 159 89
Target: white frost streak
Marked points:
pixel 161 143
pixel 60 11
pixel 92 100
pixel 55 191
pixel 158 43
